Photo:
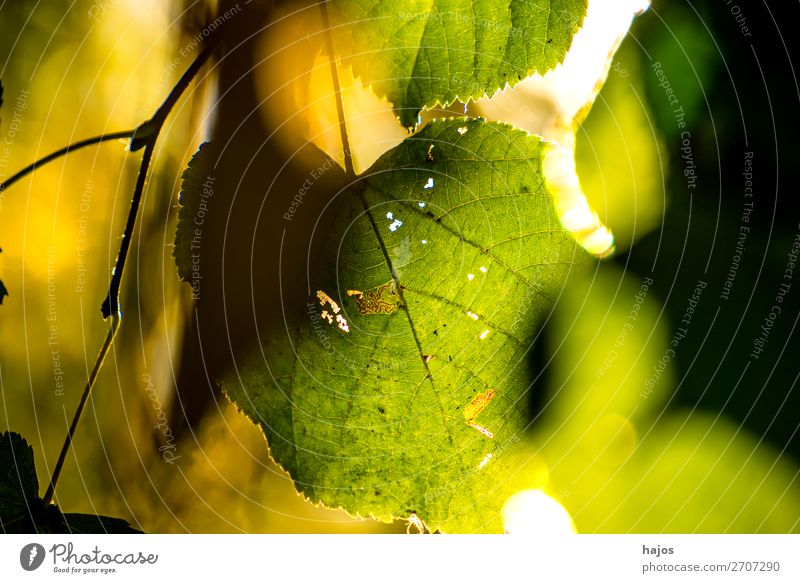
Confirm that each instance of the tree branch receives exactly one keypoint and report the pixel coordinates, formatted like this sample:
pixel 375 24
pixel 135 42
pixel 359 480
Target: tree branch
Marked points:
pixel 64 151
pixel 144 136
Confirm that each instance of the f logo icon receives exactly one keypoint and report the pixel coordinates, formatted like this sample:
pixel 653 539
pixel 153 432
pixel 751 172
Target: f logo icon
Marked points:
pixel 31 556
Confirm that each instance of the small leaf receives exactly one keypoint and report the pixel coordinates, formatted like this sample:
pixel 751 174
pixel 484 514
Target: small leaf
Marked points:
pixel 422 53
pixel 402 392
pixel 21 509
pixel 196 192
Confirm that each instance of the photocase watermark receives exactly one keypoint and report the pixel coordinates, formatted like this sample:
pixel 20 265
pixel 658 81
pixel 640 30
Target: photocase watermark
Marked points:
pixel 99 8
pixel 14 128
pixel 67 560
pixel 744 229
pixel 760 342
pixel 677 338
pixel 83 239
pixel 522 311
pixel 313 178
pixel 739 16
pixel 458 20
pixel 320 323
pixel 627 328
pixel 168 449
pixel 167 77
pixel 32 556
pixel 687 152
pixel 206 193
pixel 52 324
pixel 620 70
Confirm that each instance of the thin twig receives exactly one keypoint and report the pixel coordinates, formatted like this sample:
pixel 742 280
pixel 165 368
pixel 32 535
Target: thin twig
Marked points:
pixel 326 25
pixel 148 134
pixel 64 151
pixel 110 305
pixel 112 331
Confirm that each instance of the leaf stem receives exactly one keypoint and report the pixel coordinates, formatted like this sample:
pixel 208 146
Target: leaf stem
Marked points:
pixel 111 305
pixel 326 25
pixel 64 151
pixel 51 488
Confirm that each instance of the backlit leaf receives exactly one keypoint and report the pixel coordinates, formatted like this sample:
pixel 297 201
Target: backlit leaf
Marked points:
pixel 402 389
pixel 422 53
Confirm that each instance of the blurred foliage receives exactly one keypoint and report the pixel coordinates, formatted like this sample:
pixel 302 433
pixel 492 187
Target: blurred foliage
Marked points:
pixel 736 103
pixel 621 159
pixel 618 458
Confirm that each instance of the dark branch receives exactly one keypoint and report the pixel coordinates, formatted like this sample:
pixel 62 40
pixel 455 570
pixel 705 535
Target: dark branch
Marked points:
pixel 64 151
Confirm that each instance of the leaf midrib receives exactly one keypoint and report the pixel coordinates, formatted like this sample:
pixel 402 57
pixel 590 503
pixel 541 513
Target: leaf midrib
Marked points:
pixel 404 307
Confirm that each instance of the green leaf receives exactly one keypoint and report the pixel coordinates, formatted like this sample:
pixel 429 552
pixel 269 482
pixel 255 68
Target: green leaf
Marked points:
pixel 196 190
pixel 21 509
pixel 422 53
pixel 403 389
pixel 18 482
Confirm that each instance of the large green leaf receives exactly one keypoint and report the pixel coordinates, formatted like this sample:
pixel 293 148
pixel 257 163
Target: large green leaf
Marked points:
pixel 422 53
pixel 21 509
pixel 403 389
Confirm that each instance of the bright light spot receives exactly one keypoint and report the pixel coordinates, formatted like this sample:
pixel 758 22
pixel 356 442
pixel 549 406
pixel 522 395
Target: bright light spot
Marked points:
pixel 326 299
pixel 484 334
pixel 470 276
pixel 532 512
pixel 428 184
pixel 485 461
pixel 472 315
pixel 483 270
pixel 573 209
pixel 462 130
pixel 421 204
pixel 547 104
pixel 328 316
pixel 395 225
pixel 424 241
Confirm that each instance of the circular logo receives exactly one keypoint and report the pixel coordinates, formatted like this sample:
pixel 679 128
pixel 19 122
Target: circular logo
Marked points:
pixel 31 556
